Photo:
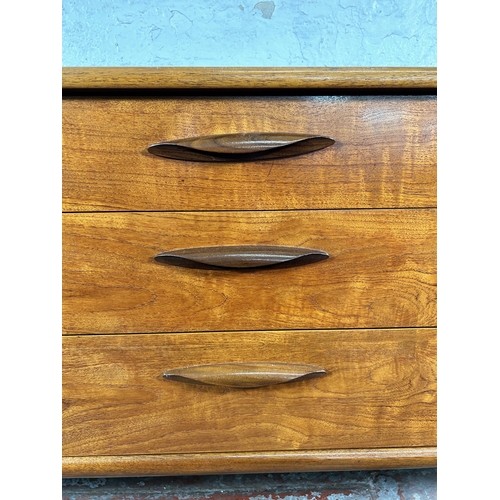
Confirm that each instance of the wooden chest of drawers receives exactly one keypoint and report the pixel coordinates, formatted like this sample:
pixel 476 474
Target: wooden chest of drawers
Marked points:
pixel 176 366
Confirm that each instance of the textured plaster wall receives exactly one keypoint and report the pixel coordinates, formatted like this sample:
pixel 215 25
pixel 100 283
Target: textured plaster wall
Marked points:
pixel 249 33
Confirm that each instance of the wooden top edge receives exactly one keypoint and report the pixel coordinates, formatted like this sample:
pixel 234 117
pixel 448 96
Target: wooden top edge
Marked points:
pixel 212 78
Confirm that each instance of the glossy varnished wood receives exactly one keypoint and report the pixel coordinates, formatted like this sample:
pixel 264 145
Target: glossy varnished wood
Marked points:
pixel 241 463
pixel 384 155
pixel 375 407
pixel 380 273
pixel 379 391
pixel 248 78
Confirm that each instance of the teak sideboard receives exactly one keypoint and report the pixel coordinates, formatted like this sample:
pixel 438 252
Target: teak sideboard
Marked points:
pixel 249 270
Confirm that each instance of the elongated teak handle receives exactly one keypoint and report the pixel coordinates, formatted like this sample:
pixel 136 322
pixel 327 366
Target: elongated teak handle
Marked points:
pixel 249 146
pixel 240 256
pixel 244 375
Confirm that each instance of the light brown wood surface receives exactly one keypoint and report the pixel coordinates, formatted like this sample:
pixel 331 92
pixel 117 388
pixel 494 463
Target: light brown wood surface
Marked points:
pixel 241 463
pixel 384 155
pixel 248 78
pixel 379 391
pixel 380 273
pixel 366 314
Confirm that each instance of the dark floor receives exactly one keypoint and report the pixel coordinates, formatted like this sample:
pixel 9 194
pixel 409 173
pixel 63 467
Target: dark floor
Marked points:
pixel 416 484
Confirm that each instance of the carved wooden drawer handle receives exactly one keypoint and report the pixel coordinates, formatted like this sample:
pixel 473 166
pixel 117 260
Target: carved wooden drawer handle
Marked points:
pixel 244 375
pixel 240 147
pixel 240 257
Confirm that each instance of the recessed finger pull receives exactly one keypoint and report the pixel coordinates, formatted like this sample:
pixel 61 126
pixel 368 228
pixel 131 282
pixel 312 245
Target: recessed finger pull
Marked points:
pixel 241 256
pixel 244 375
pixel 240 147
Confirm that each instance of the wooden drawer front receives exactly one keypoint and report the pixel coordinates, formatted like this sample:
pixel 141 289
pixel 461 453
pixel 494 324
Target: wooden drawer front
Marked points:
pixel 380 273
pixel 384 155
pixel 379 391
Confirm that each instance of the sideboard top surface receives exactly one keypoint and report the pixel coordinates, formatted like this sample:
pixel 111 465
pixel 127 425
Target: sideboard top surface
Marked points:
pixel 267 78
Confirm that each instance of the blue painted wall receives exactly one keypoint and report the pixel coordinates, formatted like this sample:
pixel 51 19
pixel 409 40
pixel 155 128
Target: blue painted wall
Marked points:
pixel 249 33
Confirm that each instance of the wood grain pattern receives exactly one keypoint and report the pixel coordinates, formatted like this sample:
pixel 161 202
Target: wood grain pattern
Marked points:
pixel 384 155
pixel 376 405
pixel 381 272
pixel 246 463
pixel 248 78
pixel 379 391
